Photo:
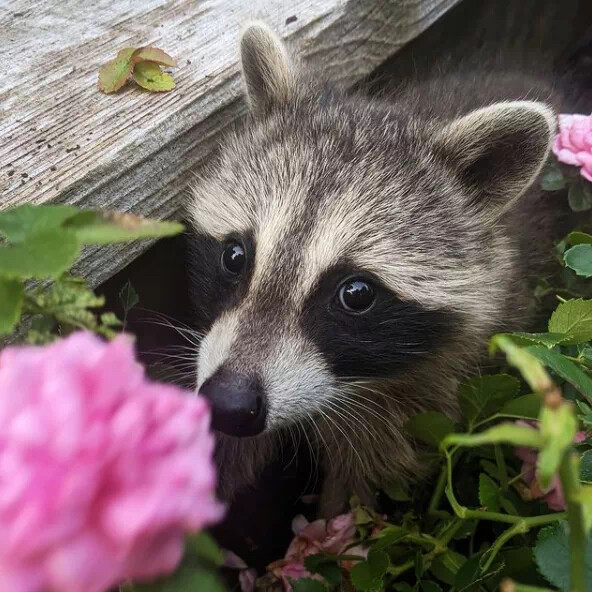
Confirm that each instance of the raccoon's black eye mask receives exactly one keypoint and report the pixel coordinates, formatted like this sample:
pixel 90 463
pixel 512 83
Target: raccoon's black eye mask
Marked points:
pixel 381 336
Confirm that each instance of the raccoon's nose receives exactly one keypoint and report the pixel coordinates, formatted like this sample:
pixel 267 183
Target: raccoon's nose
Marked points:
pixel 237 402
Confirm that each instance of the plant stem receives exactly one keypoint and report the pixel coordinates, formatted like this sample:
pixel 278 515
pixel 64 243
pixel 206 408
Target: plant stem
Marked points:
pixel 568 473
pixel 518 528
pixel 508 585
pixel 438 492
pixel 501 465
pixel 467 514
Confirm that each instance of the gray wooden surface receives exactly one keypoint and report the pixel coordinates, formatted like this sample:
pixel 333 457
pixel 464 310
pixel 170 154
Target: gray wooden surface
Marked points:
pixel 62 141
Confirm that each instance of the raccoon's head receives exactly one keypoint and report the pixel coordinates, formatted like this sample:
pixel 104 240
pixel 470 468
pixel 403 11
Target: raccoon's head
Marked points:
pixel 338 240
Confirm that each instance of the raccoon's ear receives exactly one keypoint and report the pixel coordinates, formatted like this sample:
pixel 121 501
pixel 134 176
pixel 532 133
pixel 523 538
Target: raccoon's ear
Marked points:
pixel 499 150
pixel 268 73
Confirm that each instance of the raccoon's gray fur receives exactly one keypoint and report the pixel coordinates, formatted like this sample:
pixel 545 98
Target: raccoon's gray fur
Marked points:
pixel 429 199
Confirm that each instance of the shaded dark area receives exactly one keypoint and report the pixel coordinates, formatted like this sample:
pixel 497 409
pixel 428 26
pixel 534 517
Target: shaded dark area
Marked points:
pixel 541 32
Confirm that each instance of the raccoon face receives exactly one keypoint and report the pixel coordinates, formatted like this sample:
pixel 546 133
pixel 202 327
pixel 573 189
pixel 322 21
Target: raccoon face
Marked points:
pixel 339 240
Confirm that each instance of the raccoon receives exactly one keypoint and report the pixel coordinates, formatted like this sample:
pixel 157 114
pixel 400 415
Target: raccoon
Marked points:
pixel 350 257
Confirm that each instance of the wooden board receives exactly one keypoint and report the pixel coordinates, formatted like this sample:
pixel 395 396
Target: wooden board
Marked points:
pixel 62 141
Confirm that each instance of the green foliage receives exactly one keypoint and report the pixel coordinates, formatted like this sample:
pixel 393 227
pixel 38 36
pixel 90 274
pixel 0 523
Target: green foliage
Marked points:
pixel 552 556
pixel 552 178
pixel 42 243
pixel 482 396
pixel 367 576
pixel 430 427
pixel 579 258
pixel 11 297
pixel 580 196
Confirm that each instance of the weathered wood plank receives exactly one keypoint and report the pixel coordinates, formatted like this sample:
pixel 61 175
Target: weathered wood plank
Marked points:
pixel 62 141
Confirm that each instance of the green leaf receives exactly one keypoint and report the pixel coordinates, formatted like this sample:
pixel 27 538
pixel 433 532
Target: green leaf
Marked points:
pixel 115 73
pixel 580 197
pixel 419 566
pixel 488 493
pixel 16 224
pixel 579 258
pixel 203 546
pixel 430 427
pixel 47 254
pixel 325 566
pixel 11 304
pixel 153 54
pixel 579 238
pixel 503 433
pixel 527 406
pixel 446 565
pixel 428 586
pixel 552 178
pixel 149 76
pixel 468 573
pixel 307 585
pixel 100 228
pixel 388 536
pixel 552 556
pixel 548 339
pixel 331 573
pixel 396 492
pixel 573 318
pixel 482 396
pixel 521 358
pixel 563 367
pixel 128 297
pixel 186 579
pixel 586 466
pixel 109 319
pixel 368 575
pixel 558 427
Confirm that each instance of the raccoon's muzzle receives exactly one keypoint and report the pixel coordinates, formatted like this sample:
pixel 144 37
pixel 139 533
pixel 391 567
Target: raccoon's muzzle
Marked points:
pixel 237 401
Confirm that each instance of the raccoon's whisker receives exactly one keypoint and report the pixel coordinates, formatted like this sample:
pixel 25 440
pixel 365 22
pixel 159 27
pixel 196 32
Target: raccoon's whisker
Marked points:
pixel 167 318
pixel 359 420
pixel 347 438
pixel 290 432
pixel 190 335
pixel 320 433
pixel 312 455
pixel 163 320
pixel 352 401
pixel 344 413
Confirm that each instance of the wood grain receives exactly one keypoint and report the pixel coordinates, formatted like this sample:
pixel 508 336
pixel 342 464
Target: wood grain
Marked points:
pixel 62 141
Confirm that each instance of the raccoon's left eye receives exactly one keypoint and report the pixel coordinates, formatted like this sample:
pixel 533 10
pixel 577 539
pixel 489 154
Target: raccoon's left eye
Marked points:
pixel 233 258
pixel 356 295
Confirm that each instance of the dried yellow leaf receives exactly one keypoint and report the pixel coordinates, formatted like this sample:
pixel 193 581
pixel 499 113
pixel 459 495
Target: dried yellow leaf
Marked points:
pixel 149 76
pixel 114 74
pixel 153 54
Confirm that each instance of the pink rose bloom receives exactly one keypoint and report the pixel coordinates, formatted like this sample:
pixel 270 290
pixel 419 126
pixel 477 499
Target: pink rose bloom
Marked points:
pixel 573 143
pixel 101 471
pixel 320 536
pixel 553 497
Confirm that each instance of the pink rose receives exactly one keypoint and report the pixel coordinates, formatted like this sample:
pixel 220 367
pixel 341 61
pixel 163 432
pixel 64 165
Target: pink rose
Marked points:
pixel 321 536
pixel 573 143
pixel 101 471
pixel 553 497
pixel 247 579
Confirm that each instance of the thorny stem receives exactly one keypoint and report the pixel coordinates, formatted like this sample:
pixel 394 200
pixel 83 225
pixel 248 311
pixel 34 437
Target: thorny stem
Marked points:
pixel 568 473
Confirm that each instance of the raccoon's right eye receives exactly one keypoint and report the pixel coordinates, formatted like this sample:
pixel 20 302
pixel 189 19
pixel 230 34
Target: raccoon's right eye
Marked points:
pixel 233 258
pixel 356 295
